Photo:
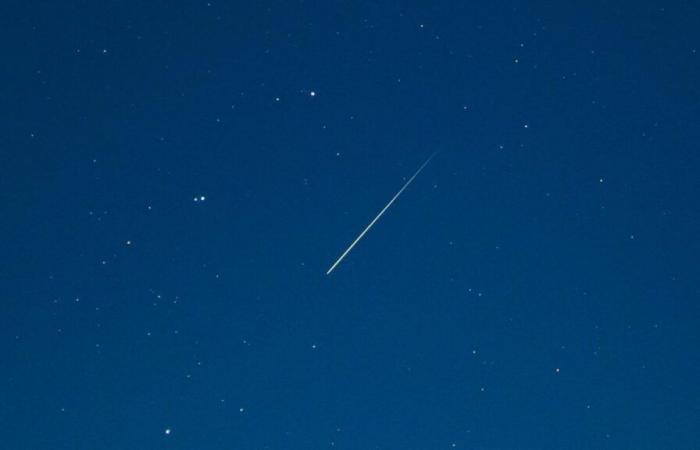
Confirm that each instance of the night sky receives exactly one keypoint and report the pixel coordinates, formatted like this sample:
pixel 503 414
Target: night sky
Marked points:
pixel 177 177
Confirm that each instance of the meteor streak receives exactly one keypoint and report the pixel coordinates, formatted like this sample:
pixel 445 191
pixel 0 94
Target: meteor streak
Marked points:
pixel 335 264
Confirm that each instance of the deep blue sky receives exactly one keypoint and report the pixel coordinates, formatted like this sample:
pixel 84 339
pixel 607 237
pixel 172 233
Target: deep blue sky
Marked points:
pixel 536 287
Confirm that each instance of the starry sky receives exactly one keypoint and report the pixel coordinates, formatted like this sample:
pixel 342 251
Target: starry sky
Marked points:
pixel 177 177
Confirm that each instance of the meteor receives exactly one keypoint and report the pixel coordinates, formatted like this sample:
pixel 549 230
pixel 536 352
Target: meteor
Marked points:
pixel 335 264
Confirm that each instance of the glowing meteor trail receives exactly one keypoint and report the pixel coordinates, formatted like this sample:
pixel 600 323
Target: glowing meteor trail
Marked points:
pixel 335 264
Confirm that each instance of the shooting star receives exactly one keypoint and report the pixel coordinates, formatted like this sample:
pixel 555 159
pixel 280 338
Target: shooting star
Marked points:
pixel 335 264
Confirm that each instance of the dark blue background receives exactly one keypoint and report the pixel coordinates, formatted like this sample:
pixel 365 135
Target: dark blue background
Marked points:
pixel 536 286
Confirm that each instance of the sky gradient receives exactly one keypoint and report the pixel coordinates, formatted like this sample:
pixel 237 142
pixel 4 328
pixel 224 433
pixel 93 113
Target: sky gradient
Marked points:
pixel 177 177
